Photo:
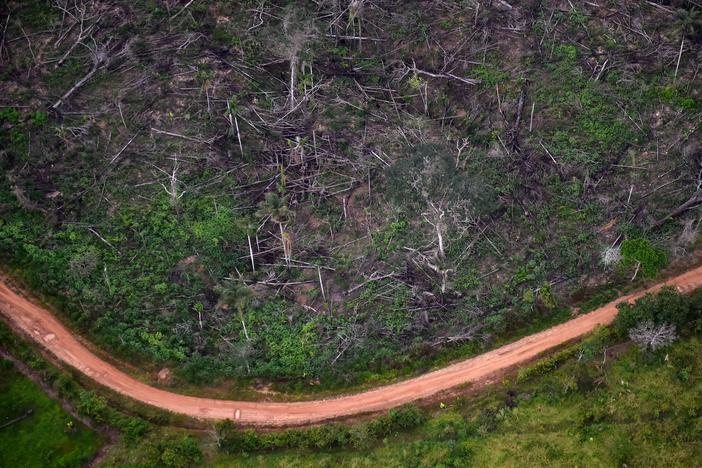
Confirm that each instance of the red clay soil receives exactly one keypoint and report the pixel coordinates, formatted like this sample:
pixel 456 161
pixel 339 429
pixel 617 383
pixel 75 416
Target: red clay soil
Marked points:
pixel 41 325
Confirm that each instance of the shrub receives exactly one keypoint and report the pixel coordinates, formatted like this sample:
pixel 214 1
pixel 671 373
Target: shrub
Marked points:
pixel 328 436
pixel 546 297
pixel 547 365
pixel 651 258
pixel 92 405
pixel 406 417
pixel 447 426
pixel 665 307
pixel 235 440
pixel 134 428
pixel 179 451
pixel 359 437
pixel 695 302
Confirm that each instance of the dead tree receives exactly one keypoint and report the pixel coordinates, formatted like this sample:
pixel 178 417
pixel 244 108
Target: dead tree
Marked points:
pixel 435 217
pixel 652 337
pixel 461 145
pixel 694 152
pixel 443 198
pixel 448 216
pixel 514 131
pixel 446 75
pixel 355 9
pixel 275 208
pixel 298 34
pixel 172 187
pixel 87 22
pixel 101 56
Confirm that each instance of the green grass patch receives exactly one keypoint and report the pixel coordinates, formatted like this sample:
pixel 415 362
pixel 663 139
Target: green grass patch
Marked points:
pixel 48 436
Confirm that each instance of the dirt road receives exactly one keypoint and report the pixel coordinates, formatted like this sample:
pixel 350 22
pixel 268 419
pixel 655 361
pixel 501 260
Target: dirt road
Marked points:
pixel 45 329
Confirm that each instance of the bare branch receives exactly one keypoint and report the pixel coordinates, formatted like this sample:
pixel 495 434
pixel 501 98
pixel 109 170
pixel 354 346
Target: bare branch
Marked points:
pixel 649 336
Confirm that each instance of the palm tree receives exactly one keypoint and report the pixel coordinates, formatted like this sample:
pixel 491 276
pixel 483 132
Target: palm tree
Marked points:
pixel 276 208
pixel 236 295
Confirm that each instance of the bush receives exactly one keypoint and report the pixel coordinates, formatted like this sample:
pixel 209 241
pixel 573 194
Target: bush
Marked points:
pixel 398 419
pixel 328 436
pixel 134 428
pixel 179 451
pixel 93 406
pixel 665 307
pixel 651 258
pixel 235 440
pixel 448 426
pixel 695 302
pixel 547 365
pixel 359 437
pixel 406 417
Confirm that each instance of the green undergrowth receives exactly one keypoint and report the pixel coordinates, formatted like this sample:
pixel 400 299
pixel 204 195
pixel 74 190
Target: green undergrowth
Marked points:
pixel 158 437
pixel 99 404
pixel 293 353
pixel 597 403
pixel 232 440
pixel 44 435
pixel 419 363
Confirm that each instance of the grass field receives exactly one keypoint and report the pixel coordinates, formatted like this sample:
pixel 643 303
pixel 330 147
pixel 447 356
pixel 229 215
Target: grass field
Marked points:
pixel 634 410
pixel 48 436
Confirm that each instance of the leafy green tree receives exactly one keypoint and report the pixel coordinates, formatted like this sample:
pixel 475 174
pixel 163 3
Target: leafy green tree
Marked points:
pixel 640 252
pixel 179 452
pixel 666 307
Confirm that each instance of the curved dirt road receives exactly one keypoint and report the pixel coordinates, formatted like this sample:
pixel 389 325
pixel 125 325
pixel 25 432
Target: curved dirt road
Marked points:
pixel 45 329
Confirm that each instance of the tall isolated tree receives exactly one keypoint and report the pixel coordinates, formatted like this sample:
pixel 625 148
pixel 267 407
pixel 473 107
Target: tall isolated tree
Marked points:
pixel 435 194
pixel 275 208
pixel 441 196
pixel 238 296
pixel 299 32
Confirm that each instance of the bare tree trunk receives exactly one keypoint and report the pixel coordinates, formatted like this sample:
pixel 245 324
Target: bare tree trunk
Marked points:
pixel 321 284
pixel 253 265
pixel 293 78
pixel 444 280
pixel 440 237
pixel 238 136
pixel 96 66
pixel 243 324
pixel 285 246
pixel 234 122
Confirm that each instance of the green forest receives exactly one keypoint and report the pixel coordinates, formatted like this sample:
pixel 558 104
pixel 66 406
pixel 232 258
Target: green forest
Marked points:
pixel 277 200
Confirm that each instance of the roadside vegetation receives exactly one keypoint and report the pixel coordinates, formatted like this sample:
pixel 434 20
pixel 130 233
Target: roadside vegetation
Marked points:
pixel 607 400
pixel 602 402
pixel 51 437
pixel 633 410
